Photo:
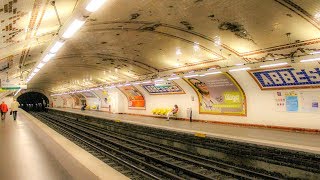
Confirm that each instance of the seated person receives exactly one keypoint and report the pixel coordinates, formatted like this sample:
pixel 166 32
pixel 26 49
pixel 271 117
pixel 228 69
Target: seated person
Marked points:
pixel 84 107
pixel 174 111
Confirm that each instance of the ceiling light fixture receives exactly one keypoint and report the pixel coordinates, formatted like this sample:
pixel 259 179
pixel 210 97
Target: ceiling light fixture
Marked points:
pixel 196 46
pixel 274 65
pixel 193 75
pixel 173 78
pixel 211 73
pixel 240 69
pixel 178 51
pixel 94 5
pixel 56 47
pixel 40 65
pixel 159 80
pixel 48 57
pixel 217 41
pixel 36 70
pixel 17 92
pixel 310 60
pixel 316 52
pixel 317 16
pixel 73 28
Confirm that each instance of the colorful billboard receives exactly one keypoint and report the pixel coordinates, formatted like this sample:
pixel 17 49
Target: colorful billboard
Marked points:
pixel 163 88
pixel 286 78
pixel 219 94
pixel 135 98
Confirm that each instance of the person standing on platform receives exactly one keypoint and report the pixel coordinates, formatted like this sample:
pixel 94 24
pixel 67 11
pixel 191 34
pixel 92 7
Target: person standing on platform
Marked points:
pixel 14 109
pixel 4 110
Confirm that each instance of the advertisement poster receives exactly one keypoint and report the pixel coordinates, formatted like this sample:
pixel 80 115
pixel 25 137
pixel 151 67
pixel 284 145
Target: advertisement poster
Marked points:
pixel 80 96
pixel 219 94
pixel 135 98
pixel 75 99
pixel 163 88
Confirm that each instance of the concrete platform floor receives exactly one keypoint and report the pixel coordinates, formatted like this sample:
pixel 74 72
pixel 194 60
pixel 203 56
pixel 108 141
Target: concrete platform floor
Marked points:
pixel 277 138
pixel 31 150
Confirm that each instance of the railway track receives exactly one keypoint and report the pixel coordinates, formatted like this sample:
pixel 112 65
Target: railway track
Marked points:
pixel 139 159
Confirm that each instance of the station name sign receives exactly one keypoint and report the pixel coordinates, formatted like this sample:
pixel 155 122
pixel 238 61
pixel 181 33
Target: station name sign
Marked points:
pixel 287 78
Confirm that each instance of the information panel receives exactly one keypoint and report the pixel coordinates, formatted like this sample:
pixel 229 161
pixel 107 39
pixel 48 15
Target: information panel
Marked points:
pixel 286 78
pixel 135 98
pixel 294 101
pixel 163 88
pixel 219 94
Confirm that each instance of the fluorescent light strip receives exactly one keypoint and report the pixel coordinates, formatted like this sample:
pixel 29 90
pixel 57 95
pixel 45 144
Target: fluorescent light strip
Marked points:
pixel 36 70
pixel 173 78
pixel 316 52
pixel 40 65
pixel 94 5
pixel 240 69
pixel 193 75
pixel 273 65
pixel 56 47
pixel 48 57
pixel 146 82
pixel 73 28
pixel 159 80
pixel 211 73
pixel 310 60
pixel 17 92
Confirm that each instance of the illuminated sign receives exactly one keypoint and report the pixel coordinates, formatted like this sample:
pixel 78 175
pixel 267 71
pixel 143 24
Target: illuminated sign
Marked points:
pixel 286 78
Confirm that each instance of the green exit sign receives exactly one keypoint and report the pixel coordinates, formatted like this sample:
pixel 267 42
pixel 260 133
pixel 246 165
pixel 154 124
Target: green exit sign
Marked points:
pixel 10 88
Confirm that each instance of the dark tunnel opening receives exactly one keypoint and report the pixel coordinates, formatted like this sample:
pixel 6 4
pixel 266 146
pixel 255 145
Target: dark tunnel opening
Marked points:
pixel 33 101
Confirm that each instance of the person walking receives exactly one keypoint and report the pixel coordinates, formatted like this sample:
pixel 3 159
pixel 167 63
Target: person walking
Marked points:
pixel 4 110
pixel 14 109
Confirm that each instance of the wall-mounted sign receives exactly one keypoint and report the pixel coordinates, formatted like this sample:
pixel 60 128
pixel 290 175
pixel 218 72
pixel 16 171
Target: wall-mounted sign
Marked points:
pixel 219 94
pixel 286 78
pixel 168 87
pixel 135 98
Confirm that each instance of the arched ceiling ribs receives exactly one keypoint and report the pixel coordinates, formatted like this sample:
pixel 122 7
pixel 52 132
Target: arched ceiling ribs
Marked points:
pixel 136 63
pixel 87 66
pixel 151 27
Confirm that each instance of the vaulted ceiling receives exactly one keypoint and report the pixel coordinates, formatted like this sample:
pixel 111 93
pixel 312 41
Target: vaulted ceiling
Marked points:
pixel 126 40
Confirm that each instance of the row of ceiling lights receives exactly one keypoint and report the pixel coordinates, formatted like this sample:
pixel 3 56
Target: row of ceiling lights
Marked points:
pixel 76 24
pixel 208 72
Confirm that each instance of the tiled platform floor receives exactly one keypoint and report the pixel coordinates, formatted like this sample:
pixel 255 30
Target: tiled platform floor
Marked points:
pixel 278 138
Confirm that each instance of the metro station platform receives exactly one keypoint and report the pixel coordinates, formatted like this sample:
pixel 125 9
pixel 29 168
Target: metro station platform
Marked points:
pixel 31 150
pixel 270 137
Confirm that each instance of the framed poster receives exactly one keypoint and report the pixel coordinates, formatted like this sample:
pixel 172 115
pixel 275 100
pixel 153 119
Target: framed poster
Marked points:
pixel 135 98
pixel 219 94
pixel 76 99
pixel 163 89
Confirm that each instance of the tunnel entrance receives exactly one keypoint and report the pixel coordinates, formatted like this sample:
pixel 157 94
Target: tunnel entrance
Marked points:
pixel 33 101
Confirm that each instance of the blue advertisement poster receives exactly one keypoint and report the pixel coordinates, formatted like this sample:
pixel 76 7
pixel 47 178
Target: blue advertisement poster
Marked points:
pixel 292 103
